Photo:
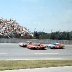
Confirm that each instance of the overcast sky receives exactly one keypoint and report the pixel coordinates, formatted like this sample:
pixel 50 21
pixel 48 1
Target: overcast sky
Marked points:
pixel 39 15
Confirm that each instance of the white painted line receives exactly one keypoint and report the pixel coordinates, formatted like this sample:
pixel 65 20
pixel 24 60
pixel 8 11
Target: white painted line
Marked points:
pixel 3 53
pixel 35 59
pixel 46 53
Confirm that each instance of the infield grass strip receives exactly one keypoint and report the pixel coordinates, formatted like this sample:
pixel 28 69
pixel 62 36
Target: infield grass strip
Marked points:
pixel 25 64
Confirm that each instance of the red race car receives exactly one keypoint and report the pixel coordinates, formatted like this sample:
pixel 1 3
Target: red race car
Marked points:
pixel 36 46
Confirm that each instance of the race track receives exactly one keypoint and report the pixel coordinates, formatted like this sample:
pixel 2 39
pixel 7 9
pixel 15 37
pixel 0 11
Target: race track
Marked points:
pixel 12 51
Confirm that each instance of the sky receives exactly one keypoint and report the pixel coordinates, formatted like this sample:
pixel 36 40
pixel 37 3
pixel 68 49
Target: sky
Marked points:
pixel 39 15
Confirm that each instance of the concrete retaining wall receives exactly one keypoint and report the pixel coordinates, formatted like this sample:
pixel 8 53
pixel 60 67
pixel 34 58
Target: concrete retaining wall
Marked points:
pixel 46 41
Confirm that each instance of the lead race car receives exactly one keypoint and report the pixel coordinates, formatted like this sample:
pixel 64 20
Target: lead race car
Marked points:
pixel 56 46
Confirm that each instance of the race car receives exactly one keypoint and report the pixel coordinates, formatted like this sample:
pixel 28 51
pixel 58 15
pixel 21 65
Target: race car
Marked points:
pixel 22 44
pixel 56 46
pixel 36 46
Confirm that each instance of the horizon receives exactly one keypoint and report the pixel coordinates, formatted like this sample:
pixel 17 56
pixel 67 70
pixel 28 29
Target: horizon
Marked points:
pixel 39 15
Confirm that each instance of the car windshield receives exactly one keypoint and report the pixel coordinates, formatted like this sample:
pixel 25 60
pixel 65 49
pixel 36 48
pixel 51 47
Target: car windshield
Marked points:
pixel 56 43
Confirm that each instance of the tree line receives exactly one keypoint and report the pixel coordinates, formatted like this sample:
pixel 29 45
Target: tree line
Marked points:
pixel 42 35
pixel 53 35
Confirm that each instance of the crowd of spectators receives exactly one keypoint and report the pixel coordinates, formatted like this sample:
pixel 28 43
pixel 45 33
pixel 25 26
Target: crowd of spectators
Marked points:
pixel 9 28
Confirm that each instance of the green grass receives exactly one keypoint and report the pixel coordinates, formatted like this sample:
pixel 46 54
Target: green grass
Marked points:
pixel 24 64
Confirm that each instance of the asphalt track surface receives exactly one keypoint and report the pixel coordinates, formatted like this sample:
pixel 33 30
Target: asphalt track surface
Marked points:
pixel 50 69
pixel 12 51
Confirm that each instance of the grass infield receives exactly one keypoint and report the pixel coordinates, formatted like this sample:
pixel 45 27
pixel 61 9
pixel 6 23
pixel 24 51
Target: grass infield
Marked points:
pixel 25 64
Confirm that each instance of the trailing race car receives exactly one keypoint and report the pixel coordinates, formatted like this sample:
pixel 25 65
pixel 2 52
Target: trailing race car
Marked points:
pixel 56 46
pixel 22 45
pixel 34 46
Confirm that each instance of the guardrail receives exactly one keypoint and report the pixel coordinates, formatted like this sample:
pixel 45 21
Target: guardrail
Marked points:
pixel 46 41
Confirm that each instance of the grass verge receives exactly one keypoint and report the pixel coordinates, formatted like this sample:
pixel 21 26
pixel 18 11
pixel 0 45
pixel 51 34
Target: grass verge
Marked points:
pixel 24 64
